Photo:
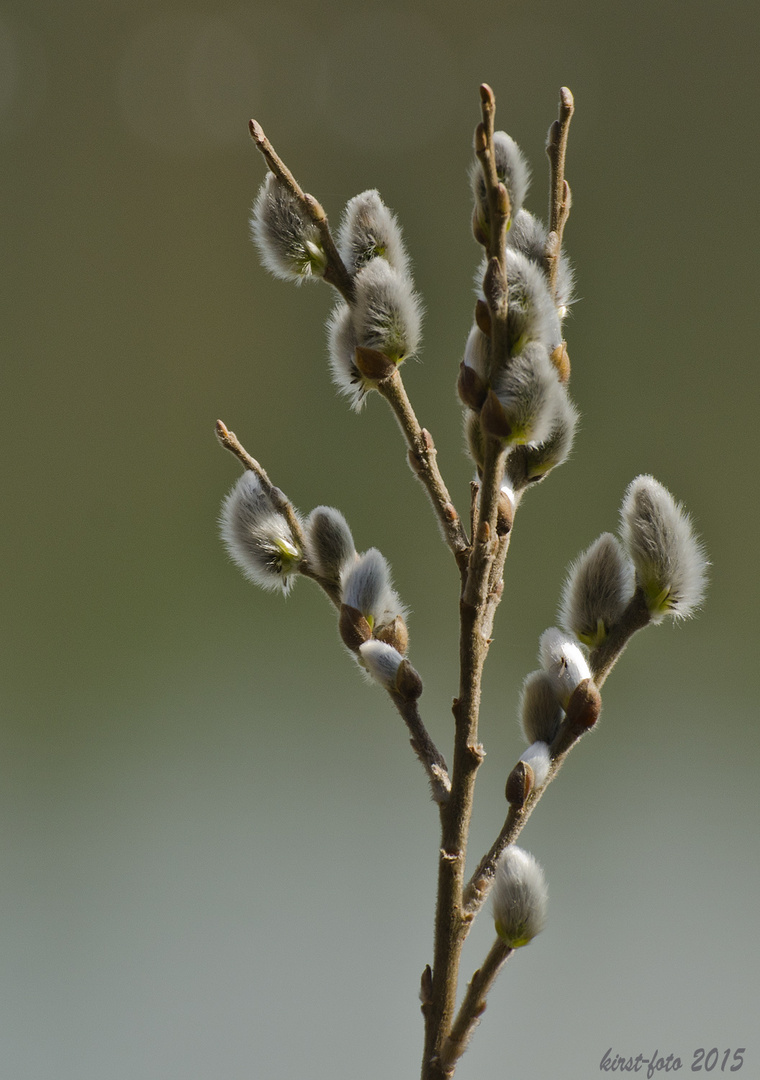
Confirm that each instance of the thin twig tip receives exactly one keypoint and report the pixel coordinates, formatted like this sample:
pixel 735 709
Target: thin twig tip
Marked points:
pixel 486 94
pixel 566 97
pixel 256 130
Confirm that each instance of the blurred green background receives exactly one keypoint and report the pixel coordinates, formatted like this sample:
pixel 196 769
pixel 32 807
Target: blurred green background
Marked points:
pixel 218 854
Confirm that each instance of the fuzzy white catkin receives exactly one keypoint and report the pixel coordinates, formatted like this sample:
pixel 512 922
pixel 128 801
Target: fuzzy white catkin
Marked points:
pixel 532 313
pixel 381 661
pixel 370 230
pixel 598 586
pixel 562 659
pixel 342 342
pixel 540 710
pixel 287 239
pixel 257 536
pixel 531 395
pixel 366 586
pixel 529 235
pixel 387 314
pixel 329 543
pixel 671 565
pixel 520 897
pixel 511 168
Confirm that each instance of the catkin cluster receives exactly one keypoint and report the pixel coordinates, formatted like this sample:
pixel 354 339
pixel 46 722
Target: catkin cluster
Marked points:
pixel 518 392
pixel 378 325
pixel 272 547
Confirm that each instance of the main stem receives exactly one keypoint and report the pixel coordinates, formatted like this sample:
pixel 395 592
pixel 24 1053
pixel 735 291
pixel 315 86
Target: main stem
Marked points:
pixel 452 922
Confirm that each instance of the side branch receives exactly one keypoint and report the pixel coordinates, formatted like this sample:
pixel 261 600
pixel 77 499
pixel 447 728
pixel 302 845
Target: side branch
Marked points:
pixel 560 198
pixel 495 284
pixel 430 757
pixel 336 272
pixel 474 1004
pixel 635 617
pixel 422 460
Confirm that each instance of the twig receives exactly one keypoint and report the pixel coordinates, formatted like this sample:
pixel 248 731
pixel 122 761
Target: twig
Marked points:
pixel 474 1004
pixel 336 272
pixel 432 760
pixel 560 198
pixel 495 285
pixel 422 460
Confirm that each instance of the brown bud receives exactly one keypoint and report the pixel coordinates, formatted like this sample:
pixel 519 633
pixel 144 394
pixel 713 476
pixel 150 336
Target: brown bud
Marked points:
pixel 354 628
pixel 519 784
pixel 561 361
pixel 483 317
pixel 408 682
pixel 426 986
pixel 584 706
pixel 494 419
pixel 373 364
pixel 394 633
pixel 471 388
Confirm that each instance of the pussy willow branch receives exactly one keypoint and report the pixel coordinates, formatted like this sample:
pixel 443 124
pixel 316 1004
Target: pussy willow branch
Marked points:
pixel 560 198
pixel 430 757
pixel 480 595
pixel 422 450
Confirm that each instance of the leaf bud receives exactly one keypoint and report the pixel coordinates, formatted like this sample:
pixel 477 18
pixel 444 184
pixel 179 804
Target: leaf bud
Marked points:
pixel 257 535
pixel 394 633
pixel 373 365
pixel 520 897
pixel 670 561
pixel 288 240
pixel 354 629
pixel 584 706
pixel 561 361
pixel 519 785
pixel 598 586
pixel 471 388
